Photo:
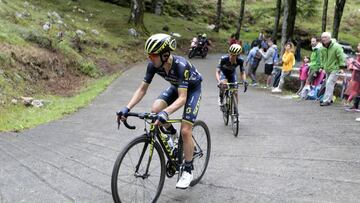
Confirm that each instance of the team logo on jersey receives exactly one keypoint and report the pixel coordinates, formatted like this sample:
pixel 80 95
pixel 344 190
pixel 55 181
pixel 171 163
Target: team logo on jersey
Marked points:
pixel 188 110
pixel 186 74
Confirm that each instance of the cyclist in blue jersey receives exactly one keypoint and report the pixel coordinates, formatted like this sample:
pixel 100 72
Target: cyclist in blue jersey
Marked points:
pixel 226 70
pixel 184 90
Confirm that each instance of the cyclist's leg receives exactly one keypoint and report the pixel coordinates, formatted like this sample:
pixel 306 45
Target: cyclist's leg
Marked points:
pixel 167 97
pixel 232 79
pixel 223 80
pixel 191 109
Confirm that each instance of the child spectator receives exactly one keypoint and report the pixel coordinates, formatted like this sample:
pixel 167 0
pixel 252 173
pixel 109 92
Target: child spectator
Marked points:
pixel 303 73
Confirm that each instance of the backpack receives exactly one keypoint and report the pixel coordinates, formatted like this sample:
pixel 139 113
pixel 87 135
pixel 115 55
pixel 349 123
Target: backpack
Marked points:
pixel 257 59
pixel 276 55
pixel 257 56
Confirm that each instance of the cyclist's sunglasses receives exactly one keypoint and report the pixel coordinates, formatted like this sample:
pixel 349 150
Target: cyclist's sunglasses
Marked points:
pixel 152 56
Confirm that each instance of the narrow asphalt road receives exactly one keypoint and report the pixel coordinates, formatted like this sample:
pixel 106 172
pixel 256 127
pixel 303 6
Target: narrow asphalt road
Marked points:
pixel 287 150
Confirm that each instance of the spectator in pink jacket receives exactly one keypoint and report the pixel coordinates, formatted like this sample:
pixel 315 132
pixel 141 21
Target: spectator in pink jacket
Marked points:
pixel 303 73
pixel 353 89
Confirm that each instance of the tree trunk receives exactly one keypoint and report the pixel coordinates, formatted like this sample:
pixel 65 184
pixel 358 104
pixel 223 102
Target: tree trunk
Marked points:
pixel 277 19
pixel 339 8
pixel 218 16
pixel 137 15
pixel 242 8
pixel 288 22
pixel 157 6
pixel 324 16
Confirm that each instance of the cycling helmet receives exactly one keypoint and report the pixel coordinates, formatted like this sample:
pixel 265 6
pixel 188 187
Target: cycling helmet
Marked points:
pixel 235 49
pixel 204 35
pixel 159 43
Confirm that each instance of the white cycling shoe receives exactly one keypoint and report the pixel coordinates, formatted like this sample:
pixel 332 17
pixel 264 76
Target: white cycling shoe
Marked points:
pixel 185 180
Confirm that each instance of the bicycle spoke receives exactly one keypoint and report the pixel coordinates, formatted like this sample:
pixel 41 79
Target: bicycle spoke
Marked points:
pixel 201 157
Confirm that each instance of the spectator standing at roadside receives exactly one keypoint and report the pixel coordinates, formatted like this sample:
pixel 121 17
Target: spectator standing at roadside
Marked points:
pixel 268 57
pixel 332 59
pixel 252 62
pixel 353 89
pixel 288 61
pixel 233 40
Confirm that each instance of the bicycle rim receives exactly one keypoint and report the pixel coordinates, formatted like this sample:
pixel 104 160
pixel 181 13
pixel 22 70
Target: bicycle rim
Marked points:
pixel 127 185
pixel 234 117
pixel 201 136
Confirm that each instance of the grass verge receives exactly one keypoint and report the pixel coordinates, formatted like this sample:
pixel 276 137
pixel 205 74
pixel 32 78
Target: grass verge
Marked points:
pixel 18 117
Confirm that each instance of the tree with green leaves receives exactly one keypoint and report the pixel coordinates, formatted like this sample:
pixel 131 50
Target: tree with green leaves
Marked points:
pixel 288 22
pixel 324 15
pixel 241 17
pixel 277 19
pixel 218 16
pixel 137 15
pixel 339 8
pixel 307 8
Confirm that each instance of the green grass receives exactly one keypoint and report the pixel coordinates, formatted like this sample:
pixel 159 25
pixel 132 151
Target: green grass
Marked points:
pixel 18 117
pixel 116 45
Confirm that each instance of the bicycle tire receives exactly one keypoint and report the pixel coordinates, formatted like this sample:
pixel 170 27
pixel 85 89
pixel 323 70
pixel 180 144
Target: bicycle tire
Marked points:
pixel 191 53
pixel 225 110
pixel 132 184
pixel 234 116
pixel 200 162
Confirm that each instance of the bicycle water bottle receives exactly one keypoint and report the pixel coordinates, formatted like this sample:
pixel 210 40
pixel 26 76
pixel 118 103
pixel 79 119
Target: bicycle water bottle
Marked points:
pixel 170 142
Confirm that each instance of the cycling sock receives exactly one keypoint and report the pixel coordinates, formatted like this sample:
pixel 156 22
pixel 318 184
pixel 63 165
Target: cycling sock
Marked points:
pixel 188 166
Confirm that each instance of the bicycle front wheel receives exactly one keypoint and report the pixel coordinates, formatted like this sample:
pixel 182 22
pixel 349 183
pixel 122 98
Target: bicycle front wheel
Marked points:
pixel 234 117
pixel 139 172
pixel 201 136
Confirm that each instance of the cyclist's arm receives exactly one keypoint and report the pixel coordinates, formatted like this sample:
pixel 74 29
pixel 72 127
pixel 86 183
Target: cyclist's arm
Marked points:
pixel 217 74
pixel 243 75
pixel 138 95
pixel 179 102
pixel 242 69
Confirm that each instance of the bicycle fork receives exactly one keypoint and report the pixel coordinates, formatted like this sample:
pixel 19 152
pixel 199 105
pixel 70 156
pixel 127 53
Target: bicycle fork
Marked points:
pixel 146 174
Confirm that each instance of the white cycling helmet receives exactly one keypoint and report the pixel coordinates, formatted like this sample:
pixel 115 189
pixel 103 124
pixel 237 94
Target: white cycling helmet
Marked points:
pixel 235 49
pixel 160 43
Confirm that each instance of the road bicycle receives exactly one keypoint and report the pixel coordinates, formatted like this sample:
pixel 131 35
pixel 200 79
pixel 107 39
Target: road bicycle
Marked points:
pixel 140 168
pixel 229 107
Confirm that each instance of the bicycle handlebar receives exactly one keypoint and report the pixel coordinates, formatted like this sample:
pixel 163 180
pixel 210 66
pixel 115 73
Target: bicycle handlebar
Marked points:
pixel 233 84
pixel 139 115
pixel 148 116
pixel 131 127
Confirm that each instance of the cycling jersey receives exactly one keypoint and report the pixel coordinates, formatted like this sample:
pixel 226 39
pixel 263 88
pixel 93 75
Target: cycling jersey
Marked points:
pixel 182 73
pixel 226 66
pixel 228 70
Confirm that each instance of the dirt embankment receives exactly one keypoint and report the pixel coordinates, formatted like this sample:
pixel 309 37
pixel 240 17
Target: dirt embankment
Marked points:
pixel 30 70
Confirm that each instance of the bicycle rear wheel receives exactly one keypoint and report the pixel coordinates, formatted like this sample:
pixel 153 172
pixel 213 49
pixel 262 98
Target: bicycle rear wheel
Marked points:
pixel 234 116
pixel 201 136
pixel 131 181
